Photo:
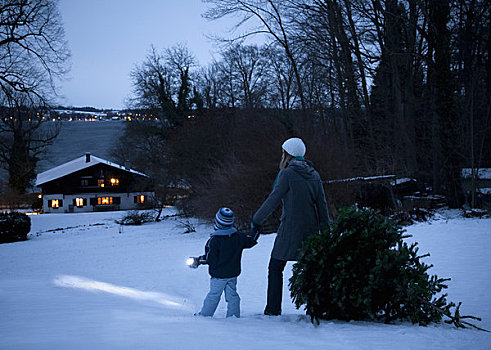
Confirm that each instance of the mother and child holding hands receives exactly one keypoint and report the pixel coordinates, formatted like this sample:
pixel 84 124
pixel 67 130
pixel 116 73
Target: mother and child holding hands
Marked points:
pixel 298 187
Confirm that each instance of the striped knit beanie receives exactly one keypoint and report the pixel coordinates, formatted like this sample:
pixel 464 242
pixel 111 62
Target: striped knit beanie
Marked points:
pixel 224 219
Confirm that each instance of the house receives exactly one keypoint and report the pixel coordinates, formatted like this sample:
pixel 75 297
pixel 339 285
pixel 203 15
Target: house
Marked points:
pixel 89 183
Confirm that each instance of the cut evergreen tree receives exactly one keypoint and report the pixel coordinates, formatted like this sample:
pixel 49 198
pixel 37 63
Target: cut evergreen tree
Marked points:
pixel 361 268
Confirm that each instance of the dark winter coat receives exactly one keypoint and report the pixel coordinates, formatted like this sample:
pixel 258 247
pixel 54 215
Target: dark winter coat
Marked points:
pixel 299 188
pixel 223 252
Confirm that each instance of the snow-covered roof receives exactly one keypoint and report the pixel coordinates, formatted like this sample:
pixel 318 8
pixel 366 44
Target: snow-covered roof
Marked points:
pixel 76 165
pixel 484 173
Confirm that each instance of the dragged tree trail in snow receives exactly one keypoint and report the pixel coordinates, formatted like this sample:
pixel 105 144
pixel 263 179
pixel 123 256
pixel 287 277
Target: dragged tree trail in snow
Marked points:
pixel 82 281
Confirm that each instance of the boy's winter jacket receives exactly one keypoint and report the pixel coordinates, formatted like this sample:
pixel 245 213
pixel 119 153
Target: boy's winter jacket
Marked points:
pixel 223 252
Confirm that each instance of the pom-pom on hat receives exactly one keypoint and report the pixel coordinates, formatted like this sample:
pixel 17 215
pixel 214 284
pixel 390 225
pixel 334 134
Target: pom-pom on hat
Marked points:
pixel 294 147
pixel 224 219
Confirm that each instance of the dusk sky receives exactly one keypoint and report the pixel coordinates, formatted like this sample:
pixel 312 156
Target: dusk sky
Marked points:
pixel 108 38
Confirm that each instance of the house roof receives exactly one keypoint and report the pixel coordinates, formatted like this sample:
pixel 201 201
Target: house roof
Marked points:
pixel 76 165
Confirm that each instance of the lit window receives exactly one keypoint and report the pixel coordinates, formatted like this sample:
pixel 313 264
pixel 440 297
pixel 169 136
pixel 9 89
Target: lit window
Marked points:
pixel 140 199
pixel 55 203
pixel 100 182
pixel 79 202
pixel 114 181
pixel 105 200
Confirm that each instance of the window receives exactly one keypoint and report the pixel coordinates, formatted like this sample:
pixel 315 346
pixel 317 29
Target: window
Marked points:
pixel 140 199
pixel 84 182
pixel 55 203
pixel 114 181
pixel 100 182
pixel 105 200
pixel 79 202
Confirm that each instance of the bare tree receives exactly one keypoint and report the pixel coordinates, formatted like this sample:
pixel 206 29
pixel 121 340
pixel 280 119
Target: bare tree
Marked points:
pixel 273 18
pixel 33 56
pixel 227 74
pixel 24 137
pixel 210 85
pixel 471 20
pixel 153 85
pixel 250 67
pixel 281 73
pixel 180 60
pixel 33 50
pixel 163 83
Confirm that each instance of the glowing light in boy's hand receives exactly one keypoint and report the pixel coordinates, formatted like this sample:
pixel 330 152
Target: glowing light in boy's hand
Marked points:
pixel 189 261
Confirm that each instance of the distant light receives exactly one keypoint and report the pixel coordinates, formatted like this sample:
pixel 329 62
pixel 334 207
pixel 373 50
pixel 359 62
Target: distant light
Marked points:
pixel 40 196
pixel 189 261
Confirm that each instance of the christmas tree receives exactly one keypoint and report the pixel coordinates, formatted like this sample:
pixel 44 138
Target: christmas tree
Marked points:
pixel 361 268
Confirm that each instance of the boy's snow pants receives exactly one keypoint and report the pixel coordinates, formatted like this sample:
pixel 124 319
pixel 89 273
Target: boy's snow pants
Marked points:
pixel 217 286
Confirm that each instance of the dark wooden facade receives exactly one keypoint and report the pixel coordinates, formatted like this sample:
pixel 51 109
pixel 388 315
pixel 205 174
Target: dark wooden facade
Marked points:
pixel 100 178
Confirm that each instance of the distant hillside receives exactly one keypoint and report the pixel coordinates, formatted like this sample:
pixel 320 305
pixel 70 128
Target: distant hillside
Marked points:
pixel 77 138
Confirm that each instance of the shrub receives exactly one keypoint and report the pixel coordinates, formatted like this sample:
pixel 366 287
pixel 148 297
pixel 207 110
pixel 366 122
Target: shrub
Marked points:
pixel 14 227
pixel 187 225
pixel 135 217
pixel 237 167
pixel 361 269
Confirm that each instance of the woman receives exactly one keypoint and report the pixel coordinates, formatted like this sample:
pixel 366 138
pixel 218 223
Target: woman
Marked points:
pixel 299 187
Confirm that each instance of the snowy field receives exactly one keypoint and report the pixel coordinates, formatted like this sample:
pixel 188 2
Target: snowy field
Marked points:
pixel 84 282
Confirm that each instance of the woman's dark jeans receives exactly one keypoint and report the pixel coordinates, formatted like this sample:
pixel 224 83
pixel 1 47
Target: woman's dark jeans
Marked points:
pixel 275 287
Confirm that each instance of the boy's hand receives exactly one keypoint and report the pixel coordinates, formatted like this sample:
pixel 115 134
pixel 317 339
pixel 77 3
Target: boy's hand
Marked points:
pixel 202 260
pixel 193 262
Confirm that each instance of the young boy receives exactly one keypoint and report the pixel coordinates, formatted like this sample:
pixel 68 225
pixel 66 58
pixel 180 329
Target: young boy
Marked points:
pixel 223 252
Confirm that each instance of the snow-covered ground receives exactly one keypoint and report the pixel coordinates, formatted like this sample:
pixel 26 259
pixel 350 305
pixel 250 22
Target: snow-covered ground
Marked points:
pixel 84 282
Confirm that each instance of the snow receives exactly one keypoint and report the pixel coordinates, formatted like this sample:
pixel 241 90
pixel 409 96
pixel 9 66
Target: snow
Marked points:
pixel 403 180
pixel 77 164
pixel 82 281
pixel 483 174
pixel 485 190
pixel 368 178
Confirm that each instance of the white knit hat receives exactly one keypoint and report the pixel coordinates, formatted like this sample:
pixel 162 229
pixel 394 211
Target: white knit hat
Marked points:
pixel 294 147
